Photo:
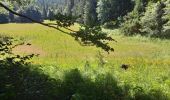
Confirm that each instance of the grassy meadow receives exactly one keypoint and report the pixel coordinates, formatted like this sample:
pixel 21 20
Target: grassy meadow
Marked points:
pixel 148 58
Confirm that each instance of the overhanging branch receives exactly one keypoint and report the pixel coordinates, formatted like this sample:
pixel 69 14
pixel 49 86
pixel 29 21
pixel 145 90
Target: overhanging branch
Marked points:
pixel 85 35
pixel 35 21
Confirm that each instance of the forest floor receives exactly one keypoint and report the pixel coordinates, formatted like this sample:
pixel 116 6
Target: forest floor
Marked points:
pixel 148 59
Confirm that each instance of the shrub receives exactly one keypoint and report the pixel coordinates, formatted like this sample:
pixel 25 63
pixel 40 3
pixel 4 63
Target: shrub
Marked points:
pixel 109 25
pixel 131 25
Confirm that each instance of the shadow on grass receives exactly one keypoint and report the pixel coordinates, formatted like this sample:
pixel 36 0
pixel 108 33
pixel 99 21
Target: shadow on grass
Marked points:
pixel 19 82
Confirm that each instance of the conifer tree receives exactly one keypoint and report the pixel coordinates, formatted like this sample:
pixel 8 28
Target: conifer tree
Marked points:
pixel 112 9
pixel 90 15
pixel 153 20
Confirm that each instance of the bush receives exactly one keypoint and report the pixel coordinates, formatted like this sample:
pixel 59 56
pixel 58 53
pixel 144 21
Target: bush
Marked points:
pixel 109 25
pixel 131 25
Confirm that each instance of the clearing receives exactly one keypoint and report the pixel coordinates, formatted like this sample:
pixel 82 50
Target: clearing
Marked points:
pixel 149 59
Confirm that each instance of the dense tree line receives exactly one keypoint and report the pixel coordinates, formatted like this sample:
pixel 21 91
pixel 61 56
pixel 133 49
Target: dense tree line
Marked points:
pixel 89 11
pixel 28 9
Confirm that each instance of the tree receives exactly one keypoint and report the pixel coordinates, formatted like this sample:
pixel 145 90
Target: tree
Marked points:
pixel 90 15
pixel 140 6
pixel 45 5
pixel 153 20
pixel 100 40
pixel 78 10
pixel 50 14
pixel 3 16
pixel 69 7
pixel 167 16
pixel 32 12
pixel 112 9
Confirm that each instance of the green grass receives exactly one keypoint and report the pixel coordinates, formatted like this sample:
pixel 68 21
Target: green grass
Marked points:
pixel 62 48
pixel 149 59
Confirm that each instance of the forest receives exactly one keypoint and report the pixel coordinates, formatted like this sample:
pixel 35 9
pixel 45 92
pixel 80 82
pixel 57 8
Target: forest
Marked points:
pixel 84 49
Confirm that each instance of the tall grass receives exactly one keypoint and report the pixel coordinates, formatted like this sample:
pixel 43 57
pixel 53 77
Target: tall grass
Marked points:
pixel 148 60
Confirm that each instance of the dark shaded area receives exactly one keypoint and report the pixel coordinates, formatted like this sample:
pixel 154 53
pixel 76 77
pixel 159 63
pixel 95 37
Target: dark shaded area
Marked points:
pixel 20 82
pixel 3 19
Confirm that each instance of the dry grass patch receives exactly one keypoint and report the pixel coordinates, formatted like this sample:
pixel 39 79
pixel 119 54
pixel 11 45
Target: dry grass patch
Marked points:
pixel 29 49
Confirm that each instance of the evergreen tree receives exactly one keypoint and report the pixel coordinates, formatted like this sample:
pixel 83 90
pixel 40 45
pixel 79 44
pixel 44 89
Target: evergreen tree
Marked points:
pixel 4 18
pixel 50 14
pixel 78 10
pixel 112 9
pixel 140 6
pixel 166 31
pixel 69 7
pixel 30 11
pixel 153 20
pixel 90 15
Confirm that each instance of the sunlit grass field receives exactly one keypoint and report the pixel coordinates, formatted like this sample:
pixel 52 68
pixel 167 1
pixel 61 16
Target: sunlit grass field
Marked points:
pixel 62 49
pixel 149 59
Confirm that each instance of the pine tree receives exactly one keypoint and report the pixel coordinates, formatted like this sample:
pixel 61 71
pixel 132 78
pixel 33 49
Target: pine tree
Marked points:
pixel 78 10
pixel 112 9
pixel 153 20
pixel 90 15
pixel 69 7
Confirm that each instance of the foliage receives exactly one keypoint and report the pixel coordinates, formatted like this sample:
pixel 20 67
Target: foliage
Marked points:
pixel 131 22
pixel 147 18
pixel 93 36
pixel 61 73
pixel 3 16
pixel 11 71
pixel 50 14
pixel 166 31
pixel 112 9
pixel 153 21
pixel 30 11
pixel 90 15
pixel 63 20
pixel 140 6
pixel 110 25
pixel 131 25
pixel 69 7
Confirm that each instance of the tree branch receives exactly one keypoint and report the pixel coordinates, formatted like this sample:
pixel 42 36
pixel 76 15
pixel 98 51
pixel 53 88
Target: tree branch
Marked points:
pixel 20 15
pixel 77 34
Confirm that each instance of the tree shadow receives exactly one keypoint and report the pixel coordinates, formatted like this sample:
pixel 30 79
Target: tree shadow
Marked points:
pixel 26 82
